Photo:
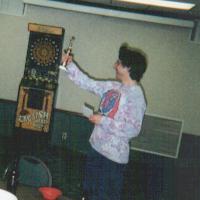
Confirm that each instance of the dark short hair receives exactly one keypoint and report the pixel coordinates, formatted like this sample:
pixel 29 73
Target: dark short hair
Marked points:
pixel 134 59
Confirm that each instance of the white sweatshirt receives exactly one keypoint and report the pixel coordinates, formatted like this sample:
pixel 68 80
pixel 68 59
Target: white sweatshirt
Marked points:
pixel 122 108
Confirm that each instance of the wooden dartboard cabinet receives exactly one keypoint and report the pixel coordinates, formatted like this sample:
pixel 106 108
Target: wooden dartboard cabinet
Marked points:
pixel 37 90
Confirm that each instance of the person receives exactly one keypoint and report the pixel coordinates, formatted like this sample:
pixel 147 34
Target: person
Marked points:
pixel 119 119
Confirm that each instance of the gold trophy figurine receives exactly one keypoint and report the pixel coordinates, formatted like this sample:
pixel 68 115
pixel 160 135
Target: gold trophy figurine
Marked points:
pixel 69 49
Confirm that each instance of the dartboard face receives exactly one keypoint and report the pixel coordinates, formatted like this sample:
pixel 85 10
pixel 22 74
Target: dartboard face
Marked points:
pixel 44 51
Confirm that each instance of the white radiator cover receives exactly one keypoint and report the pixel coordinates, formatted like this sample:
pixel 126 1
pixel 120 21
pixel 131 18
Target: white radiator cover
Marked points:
pixel 159 135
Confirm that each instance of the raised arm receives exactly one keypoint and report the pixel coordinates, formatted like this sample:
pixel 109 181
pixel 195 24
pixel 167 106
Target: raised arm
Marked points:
pixel 82 79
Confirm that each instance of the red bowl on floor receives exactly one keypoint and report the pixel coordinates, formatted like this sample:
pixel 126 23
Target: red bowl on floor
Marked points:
pixel 50 193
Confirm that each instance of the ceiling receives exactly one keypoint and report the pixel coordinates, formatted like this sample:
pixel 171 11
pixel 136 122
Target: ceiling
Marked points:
pixel 193 14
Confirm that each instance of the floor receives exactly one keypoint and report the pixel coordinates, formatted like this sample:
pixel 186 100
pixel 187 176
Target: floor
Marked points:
pixel 29 193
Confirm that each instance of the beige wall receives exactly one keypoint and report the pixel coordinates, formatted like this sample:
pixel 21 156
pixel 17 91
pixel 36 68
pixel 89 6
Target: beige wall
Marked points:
pixel 171 82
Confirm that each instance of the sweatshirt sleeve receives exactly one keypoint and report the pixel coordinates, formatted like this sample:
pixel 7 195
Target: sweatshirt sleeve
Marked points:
pixel 128 125
pixel 84 81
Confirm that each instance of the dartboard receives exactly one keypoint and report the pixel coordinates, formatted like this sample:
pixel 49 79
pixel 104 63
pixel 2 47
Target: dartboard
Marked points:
pixel 44 51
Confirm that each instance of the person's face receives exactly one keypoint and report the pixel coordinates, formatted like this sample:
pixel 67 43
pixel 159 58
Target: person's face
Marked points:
pixel 121 72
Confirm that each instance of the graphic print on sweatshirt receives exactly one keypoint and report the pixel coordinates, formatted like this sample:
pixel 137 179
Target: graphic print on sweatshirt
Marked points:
pixel 110 103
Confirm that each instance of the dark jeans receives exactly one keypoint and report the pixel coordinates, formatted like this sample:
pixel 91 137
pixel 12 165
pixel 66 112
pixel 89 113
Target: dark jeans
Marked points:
pixel 103 177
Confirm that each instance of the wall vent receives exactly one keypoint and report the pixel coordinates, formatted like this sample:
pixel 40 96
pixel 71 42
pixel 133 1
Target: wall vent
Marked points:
pixel 159 135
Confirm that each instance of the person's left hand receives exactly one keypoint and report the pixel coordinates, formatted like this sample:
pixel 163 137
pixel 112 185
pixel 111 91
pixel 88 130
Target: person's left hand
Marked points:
pixel 96 118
